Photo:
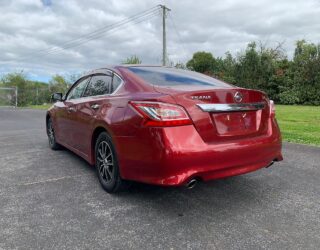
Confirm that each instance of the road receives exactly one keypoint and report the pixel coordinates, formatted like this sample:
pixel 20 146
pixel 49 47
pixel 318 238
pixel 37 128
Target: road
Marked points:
pixel 52 200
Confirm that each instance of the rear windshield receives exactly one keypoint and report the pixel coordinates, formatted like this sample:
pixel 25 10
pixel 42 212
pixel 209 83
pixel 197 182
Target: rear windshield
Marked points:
pixel 162 76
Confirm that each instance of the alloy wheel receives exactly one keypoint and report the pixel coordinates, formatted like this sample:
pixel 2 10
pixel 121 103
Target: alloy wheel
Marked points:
pixel 50 133
pixel 105 161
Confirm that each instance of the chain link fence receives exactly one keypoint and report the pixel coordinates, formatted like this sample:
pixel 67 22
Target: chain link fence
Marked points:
pixel 8 96
pixel 18 97
pixel 34 96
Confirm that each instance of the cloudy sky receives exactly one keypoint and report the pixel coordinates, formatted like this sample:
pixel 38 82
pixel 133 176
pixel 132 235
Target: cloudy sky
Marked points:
pixel 33 33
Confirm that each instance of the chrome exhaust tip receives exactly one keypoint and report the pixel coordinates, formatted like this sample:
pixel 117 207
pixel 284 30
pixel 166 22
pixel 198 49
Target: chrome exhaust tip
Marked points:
pixel 270 164
pixel 191 184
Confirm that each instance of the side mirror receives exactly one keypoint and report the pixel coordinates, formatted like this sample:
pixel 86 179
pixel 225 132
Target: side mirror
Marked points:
pixel 56 97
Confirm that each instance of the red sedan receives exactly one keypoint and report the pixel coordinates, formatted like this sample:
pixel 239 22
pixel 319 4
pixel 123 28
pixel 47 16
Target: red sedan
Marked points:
pixel 163 126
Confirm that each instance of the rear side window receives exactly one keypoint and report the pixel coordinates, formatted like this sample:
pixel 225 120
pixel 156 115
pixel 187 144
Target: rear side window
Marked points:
pixel 162 76
pixel 99 85
pixel 115 83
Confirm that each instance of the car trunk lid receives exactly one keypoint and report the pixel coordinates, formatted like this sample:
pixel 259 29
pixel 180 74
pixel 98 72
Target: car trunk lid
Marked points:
pixel 223 113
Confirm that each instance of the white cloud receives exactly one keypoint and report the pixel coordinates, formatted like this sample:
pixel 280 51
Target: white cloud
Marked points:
pixel 28 26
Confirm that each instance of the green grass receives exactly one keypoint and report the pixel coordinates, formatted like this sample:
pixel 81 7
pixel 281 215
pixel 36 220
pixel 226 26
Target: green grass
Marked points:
pixel 300 124
pixel 45 106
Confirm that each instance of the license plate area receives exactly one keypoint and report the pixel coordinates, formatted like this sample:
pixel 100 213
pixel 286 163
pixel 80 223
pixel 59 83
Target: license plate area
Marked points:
pixel 236 123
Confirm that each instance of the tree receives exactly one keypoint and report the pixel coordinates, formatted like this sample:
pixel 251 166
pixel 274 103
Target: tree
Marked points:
pixel 305 72
pixel 228 67
pixel 201 62
pixel 18 80
pixel 287 81
pixel 180 65
pixel 258 67
pixel 58 84
pixel 132 60
pixel 72 78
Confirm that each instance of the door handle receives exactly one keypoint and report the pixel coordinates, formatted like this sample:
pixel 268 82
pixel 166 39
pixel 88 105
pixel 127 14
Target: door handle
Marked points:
pixel 95 106
pixel 71 109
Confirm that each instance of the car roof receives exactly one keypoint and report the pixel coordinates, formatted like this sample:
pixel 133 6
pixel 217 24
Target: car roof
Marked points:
pixel 115 67
pixel 140 65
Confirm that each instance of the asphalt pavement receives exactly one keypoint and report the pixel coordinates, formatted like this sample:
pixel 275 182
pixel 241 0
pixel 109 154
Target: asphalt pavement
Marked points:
pixel 52 200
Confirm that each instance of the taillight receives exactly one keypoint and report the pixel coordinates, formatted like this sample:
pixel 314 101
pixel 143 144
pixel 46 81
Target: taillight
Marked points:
pixel 272 108
pixel 159 114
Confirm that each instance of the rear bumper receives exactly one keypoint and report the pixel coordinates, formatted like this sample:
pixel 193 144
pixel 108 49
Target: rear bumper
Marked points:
pixel 173 156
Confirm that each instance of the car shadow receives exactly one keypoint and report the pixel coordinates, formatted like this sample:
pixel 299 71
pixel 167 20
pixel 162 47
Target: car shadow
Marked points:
pixel 231 194
pixel 79 160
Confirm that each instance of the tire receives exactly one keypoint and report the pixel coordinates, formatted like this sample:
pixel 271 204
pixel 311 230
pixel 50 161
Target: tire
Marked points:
pixel 107 166
pixel 51 136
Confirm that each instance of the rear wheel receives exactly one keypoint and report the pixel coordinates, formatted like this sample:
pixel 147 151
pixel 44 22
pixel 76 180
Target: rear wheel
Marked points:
pixel 107 165
pixel 51 136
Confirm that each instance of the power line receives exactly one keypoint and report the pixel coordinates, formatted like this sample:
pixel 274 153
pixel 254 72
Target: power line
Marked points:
pixel 115 28
pixel 178 33
pixel 49 65
pixel 102 29
pixel 144 15
pixel 101 33
pixel 105 35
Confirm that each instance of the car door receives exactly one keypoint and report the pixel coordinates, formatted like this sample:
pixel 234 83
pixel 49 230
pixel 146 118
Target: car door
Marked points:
pixel 88 109
pixel 66 118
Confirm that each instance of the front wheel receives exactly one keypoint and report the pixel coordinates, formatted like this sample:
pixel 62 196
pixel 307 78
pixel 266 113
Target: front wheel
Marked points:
pixel 107 165
pixel 51 136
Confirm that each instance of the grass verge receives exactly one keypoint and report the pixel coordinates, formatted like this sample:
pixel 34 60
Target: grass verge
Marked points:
pixel 45 106
pixel 300 124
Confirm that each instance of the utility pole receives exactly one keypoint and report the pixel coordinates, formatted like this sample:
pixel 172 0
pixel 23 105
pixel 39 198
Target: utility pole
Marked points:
pixel 164 38
pixel 37 96
pixel 16 96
